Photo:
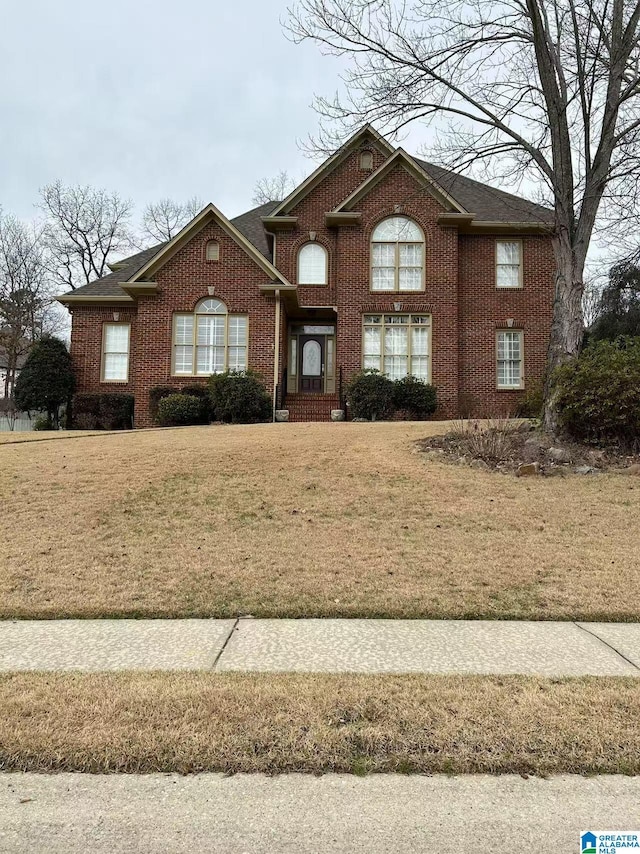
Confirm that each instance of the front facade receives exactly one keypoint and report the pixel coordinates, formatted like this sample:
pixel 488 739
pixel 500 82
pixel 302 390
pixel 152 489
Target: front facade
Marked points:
pixel 377 260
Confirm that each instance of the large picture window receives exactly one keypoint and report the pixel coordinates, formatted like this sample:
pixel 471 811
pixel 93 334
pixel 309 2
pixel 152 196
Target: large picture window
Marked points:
pixel 115 352
pixel 509 354
pixel 397 256
pixel 209 341
pixel 397 345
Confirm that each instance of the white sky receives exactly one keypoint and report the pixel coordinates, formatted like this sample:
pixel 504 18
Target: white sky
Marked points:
pixel 154 99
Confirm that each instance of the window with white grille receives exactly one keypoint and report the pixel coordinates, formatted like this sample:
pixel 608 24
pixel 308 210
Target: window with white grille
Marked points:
pixel 397 256
pixel 397 345
pixel 508 263
pixel 510 353
pixel 115 352
pixel 209 341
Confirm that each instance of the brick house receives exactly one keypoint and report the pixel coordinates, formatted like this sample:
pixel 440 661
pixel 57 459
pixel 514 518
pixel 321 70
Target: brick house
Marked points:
pixel 377 260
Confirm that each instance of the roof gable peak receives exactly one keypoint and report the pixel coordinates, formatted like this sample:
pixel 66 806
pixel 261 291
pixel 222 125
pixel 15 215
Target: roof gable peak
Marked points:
pixel 402 158
pixel 331 163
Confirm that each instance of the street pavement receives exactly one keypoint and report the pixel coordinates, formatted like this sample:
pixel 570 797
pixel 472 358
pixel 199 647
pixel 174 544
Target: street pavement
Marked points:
pixel 169 814
pixel 324 645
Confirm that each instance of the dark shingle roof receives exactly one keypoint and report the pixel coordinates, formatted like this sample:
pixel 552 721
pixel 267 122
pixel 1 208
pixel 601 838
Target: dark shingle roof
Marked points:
pixel 487 203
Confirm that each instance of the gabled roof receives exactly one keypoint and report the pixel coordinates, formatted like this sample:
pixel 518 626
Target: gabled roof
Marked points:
pixel 415 168
pixel 249 224
pixel 209 213
pixel 366 132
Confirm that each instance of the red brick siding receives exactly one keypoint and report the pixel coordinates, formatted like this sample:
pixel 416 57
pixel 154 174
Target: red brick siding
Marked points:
pixel 485 309
pixel 460 295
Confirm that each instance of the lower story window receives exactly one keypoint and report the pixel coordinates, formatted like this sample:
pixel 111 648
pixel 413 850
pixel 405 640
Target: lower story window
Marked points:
pixel 509 353
pixel 397 345
pixel 115 352
pixel 206 344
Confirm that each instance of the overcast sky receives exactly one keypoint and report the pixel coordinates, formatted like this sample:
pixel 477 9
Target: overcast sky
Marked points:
pixel 158 99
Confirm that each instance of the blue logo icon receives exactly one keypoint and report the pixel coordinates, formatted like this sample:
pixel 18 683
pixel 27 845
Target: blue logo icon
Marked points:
pixel 588 843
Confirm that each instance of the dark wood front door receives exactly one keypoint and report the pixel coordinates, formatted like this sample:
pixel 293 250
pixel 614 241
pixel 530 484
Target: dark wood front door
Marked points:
pixel 311 363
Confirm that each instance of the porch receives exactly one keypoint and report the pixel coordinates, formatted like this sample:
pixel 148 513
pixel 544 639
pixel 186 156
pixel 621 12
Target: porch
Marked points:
pixel 311 382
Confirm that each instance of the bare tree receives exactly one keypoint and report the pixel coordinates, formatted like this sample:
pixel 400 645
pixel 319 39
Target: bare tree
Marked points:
pixel 273 189
pixel 84 229
pixel 161 220
pixel 25 293
pixel 551 88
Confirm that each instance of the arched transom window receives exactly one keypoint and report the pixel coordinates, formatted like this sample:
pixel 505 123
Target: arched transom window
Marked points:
pixel 312 264
pixel 397 256
pixel 209 340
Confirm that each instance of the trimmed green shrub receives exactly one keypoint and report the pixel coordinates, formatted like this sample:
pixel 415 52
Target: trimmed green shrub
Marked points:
pixel 370 395
pixel 155 396
pixel 598 393
pixel 46 381
pixel 202 393
pixel 103 411
pixel 239 397
pixel 414 396
pixel 179 410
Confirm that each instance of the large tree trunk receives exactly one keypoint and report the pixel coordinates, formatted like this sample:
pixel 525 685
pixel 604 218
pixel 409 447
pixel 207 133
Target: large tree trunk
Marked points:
pixel 567 328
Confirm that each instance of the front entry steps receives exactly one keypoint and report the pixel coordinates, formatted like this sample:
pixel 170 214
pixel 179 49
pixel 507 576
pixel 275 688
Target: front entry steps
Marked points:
pixel 311 407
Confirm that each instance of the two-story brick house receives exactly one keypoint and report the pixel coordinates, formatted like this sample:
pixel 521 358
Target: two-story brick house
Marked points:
pixel 377 260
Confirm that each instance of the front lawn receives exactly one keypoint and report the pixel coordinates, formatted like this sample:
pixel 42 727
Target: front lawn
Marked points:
pixel 193 722
pixel 341 520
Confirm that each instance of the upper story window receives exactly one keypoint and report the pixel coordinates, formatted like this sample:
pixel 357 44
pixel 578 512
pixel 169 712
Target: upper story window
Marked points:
pixel 366 160
pixel 209 340
pixel 508 263
pixel 397 256
pixel 212 251
pixel 115 352
pixel 312 264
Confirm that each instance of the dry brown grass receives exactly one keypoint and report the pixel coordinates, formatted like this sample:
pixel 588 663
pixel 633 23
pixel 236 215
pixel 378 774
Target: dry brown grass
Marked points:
pixel 305 520
pixel 215 722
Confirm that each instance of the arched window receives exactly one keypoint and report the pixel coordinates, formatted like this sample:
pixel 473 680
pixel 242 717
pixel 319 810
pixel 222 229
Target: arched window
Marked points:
pixel 312 264
pixel 212 251
pixel 209 340
pixel 397 256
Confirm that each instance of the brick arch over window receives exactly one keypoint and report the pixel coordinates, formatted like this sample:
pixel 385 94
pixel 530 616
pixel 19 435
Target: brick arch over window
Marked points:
pixel 209 340
pixel 312 265
pixel 397 255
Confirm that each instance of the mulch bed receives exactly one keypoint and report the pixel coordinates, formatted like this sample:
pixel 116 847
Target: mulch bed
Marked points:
pixel 523 449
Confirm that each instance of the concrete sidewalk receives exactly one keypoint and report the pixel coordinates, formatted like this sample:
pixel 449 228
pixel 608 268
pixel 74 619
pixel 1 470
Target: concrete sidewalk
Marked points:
pixel 167 813
pixel 316 645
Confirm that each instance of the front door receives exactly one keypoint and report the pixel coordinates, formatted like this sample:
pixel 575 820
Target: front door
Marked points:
pixel 312 363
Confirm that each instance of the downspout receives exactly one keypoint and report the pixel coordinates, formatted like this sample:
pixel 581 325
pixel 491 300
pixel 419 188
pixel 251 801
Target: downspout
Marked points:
pixel 276 353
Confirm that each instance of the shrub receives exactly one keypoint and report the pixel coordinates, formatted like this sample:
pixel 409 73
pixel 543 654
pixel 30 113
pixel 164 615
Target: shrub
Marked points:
pixel 598 393
pixel 155 396
pixel 179 410
pixel 414 396
pixel 46 381
pixel 105 411
pixel 43 422
pixel 202 393
pixel 239 397
pixel 530 406
pixel 370 395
